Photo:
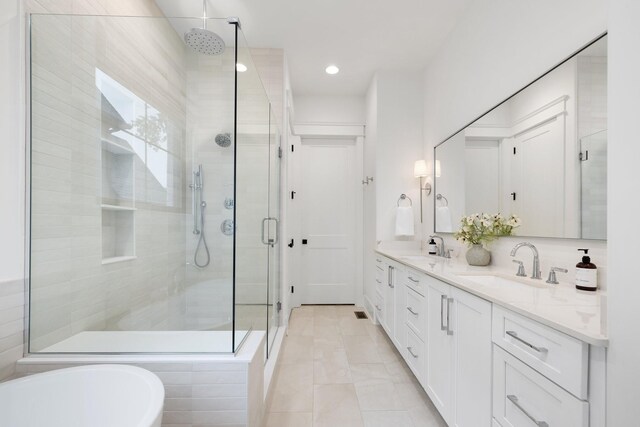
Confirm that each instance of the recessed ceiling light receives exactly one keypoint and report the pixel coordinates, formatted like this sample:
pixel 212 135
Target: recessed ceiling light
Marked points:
pixel 332 69
pixel 241 67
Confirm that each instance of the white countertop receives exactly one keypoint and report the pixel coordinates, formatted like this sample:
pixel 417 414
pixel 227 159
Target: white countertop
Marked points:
pixel 580 314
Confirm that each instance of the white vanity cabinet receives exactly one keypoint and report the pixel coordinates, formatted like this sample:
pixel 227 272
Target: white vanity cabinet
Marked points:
pixel 484 365
pixel 387 272
pixel 458 372
pixel 444 335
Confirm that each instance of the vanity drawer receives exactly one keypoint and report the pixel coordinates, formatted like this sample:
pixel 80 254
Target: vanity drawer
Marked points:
pixel 415 281
pixel 522 397
pixel 416 315
pixel 559 357
pixel 414 353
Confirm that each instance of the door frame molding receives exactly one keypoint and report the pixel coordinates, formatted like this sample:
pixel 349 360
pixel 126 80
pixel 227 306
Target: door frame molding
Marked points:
pixel 325 131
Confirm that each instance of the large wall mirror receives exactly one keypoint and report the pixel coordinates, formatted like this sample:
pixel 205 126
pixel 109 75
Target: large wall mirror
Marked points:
pixel 541 155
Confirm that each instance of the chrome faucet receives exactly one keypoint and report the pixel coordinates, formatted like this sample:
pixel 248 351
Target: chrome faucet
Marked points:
pixel 537 274
pixel 441 250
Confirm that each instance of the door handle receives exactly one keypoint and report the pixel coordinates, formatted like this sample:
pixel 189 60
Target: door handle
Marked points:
pixel 514 399
pixel 269 240
pixel 443 298
pixel 410 350
pixel 514 335
pixel 290 244
pixel 449 330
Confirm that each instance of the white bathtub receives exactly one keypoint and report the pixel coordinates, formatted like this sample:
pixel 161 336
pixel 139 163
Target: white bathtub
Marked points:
pixel 84 396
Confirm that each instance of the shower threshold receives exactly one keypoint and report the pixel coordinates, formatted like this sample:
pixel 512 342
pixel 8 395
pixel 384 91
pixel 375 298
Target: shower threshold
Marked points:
pixel 147 342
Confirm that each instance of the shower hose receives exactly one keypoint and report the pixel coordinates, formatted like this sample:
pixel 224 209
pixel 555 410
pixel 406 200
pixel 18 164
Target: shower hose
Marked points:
pixel 202 241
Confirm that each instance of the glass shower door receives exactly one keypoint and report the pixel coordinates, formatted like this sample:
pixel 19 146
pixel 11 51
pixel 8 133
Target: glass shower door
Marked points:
pixel 593 169
pixel 273 300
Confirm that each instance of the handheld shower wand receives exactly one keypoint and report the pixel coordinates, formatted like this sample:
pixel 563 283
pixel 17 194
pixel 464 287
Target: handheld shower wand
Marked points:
pixel 198 207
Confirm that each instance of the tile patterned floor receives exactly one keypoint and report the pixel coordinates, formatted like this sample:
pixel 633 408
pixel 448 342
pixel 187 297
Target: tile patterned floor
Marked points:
pixel 338 371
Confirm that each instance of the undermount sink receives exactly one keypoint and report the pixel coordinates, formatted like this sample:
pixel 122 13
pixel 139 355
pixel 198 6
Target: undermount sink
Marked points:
pixel 501 281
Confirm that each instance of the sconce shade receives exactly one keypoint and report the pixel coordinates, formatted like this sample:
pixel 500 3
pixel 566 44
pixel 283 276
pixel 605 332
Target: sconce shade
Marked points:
pixel 420 169
pixel 438 170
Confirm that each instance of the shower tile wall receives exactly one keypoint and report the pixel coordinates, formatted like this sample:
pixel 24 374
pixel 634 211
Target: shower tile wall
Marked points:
pixel 71 290
pixel 210 104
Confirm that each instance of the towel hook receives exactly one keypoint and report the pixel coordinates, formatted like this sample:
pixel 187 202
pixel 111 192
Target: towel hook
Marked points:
pixel 405 197
pixel 441 197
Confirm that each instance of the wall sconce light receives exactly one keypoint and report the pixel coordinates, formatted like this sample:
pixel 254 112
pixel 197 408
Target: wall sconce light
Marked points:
pixel 438 169
pixel 421 171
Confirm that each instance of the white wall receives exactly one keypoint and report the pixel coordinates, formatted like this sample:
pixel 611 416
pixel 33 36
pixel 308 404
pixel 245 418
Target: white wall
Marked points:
pixel 393 142
pixel 482 63
pixel 329 109
pixel 624 153
pixel 369 202
pixel 398 146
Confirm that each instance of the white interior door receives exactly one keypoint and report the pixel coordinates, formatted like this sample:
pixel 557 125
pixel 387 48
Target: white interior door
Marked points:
pixel 538 179
pixel 328 196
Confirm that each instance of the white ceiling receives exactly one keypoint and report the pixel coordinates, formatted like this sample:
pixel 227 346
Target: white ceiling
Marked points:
pixel 359 36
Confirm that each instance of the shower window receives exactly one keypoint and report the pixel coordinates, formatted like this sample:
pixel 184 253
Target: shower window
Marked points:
pixel 131 122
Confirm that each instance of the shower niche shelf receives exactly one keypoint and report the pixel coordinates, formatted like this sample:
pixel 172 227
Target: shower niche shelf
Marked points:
pixel 117 201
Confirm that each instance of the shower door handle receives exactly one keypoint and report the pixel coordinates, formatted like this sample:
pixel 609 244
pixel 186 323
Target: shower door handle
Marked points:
pixel 268 240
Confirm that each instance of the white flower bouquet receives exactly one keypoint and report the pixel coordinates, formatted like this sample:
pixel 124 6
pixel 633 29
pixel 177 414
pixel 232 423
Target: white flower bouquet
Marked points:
pixel 479 228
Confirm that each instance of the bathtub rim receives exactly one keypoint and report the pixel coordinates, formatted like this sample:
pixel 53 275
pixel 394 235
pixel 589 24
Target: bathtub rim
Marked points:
pixel 151 414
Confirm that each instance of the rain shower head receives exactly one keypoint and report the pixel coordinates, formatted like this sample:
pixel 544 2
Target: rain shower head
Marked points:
pixel 223 139
pixel 204 42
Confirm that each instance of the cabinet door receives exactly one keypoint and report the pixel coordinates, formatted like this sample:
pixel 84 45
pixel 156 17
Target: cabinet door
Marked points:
pixel 389 302
pixel 470 329
pixel 439 378
pixel 400 290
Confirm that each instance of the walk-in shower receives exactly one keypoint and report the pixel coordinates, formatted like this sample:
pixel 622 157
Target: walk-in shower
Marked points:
pixel 143 151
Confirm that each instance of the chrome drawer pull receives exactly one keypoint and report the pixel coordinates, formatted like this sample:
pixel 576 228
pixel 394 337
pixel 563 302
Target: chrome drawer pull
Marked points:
pixel 514 335
pixel 378 307
pixel 449 330
pixel 514 399
pixel 443 298
pixel 414 280
pixel 378 281
pixel 378 259
pixel 411 311
pixel 410 350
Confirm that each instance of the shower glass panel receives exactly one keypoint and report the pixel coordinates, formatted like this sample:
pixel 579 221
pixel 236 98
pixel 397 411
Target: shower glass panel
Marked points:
pixel 273 300
pixel 256 234
pixel 593 168
pixel 139 173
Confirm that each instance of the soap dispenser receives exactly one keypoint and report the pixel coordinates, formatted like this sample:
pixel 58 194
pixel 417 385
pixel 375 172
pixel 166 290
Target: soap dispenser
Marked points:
pixel 586 273
pixel 433 248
